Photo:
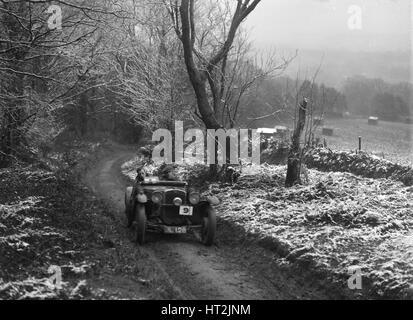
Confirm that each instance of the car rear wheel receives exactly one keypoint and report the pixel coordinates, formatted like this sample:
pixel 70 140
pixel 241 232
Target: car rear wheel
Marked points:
pixel 140 224
pixel 209 226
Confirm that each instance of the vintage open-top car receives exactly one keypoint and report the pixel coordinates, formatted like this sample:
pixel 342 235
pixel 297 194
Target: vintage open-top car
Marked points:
pixel 169 207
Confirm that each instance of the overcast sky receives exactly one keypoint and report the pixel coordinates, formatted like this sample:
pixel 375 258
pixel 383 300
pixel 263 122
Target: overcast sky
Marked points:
pixel 323 25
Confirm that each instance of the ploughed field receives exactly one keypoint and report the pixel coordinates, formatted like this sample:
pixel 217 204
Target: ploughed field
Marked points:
pixel 391 140
pixel 335 224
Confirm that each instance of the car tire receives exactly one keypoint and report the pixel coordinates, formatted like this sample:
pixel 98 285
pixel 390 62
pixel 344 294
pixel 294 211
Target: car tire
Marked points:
pixel 209 227
pixel 129 216
pixel 140 224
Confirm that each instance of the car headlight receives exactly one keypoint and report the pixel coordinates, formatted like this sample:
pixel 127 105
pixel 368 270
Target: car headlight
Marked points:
pixel 178 201
pixel 157 197
pixel 194 198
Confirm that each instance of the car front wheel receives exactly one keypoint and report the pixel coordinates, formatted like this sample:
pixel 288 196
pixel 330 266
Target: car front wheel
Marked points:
pixel 140 224
pixel 128 210
pixel 209 226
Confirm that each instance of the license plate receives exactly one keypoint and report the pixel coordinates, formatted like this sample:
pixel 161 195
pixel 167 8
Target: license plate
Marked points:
pixel 174 230
pixel 186 211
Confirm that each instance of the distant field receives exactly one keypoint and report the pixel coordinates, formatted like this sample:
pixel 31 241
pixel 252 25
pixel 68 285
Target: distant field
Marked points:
pixel 389 139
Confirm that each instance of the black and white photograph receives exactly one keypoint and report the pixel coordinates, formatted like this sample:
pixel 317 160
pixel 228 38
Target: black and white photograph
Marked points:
pixel 206 155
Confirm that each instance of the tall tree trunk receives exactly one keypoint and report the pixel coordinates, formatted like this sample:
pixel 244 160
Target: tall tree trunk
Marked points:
pixel 13 84
pixel 294 157
pixel 200 74
pixel 197 77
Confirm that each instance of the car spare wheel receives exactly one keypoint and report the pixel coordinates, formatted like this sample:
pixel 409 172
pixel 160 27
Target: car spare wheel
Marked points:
pixel 209 226
pixel 140 224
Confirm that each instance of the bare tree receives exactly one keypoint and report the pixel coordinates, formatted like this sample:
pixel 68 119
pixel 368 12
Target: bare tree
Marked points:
pixel 148 75
pixel 309 103
pixel 206 68
pixel 245 72
pixel 40 67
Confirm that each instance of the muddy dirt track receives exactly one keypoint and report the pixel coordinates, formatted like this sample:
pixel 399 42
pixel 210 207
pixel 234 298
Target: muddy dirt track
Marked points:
pixel 227 270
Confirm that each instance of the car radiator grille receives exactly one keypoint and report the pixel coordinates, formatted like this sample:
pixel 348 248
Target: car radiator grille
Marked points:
pixel 170 213
pixel 170 195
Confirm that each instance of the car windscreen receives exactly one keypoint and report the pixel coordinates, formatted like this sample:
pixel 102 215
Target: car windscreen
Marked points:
pixel 166 183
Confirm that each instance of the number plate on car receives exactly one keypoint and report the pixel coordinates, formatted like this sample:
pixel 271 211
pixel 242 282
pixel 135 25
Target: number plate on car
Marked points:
pixel 174 230
pixel 186 211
